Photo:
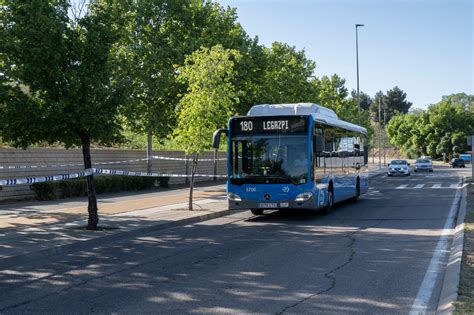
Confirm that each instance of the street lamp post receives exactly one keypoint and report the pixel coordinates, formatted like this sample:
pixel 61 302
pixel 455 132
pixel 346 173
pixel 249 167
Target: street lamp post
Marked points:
pixel 357 62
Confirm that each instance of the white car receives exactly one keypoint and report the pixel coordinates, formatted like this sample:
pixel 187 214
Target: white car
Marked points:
pixel 399 167
pixel 423 164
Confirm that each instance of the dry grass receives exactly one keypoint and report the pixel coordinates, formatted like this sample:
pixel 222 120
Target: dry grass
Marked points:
pixel 465 302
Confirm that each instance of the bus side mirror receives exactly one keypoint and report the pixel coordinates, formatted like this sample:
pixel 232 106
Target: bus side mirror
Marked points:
pixel 318 143
pixel 216 137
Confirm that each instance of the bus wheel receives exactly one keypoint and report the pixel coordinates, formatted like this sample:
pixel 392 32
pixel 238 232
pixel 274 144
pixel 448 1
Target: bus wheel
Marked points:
pixel 330 203
pixel 257 211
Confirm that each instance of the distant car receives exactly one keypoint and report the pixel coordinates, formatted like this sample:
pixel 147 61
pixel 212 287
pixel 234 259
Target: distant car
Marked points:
pixel 398 167
pixel 423 164
pixel 457 163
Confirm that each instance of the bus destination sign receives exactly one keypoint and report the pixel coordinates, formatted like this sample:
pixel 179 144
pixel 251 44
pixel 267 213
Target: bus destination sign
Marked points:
pixel 274 124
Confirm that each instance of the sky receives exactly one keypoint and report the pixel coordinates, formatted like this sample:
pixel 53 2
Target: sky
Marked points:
pixel 423 47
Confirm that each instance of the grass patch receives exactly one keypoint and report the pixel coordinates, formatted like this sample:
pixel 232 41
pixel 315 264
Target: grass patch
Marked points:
pixel 465 302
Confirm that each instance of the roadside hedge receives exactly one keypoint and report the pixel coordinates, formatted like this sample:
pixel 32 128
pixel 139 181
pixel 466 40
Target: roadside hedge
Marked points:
pixel 103 184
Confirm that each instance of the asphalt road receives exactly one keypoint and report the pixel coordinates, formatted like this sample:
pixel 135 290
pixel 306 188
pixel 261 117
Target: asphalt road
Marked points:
pixel 370 257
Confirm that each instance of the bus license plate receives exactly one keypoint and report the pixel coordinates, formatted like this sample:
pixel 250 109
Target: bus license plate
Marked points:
pixel 268 205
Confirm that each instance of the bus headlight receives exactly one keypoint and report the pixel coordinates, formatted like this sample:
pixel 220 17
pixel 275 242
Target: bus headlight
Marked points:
pixel 304 197
pixel 234 197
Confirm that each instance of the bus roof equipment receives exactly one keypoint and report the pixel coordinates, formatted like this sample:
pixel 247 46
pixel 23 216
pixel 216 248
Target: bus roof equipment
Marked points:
pixel 319 113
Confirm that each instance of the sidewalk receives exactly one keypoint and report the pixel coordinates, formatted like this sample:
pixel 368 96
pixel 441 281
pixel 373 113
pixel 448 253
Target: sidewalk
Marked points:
pixel 36 230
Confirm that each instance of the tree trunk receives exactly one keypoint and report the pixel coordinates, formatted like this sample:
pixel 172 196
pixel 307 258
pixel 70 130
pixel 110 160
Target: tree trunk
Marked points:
pixel 149 150
pixel 191 185
pixel 215 164
pixel 92 198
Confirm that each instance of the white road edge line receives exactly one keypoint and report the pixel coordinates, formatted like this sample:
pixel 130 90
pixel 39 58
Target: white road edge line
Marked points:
pixel 420 305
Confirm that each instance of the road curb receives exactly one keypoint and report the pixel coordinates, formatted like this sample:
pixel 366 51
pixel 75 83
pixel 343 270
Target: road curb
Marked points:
pixel 449 289
pixel 106 239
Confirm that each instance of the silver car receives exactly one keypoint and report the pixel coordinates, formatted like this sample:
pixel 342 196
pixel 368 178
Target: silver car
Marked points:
pixel 423 165
pixel 399 167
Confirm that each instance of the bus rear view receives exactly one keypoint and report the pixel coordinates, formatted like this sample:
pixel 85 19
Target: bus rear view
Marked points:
pixel 290 156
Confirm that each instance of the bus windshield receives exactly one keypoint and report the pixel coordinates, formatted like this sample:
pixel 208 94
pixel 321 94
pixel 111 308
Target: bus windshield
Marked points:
pixel 269 159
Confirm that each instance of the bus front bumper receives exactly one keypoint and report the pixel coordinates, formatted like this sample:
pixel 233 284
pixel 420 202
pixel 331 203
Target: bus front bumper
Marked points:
pixel 275 205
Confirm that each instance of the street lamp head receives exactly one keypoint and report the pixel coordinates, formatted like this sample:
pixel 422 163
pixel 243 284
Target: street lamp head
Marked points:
pixel 357 25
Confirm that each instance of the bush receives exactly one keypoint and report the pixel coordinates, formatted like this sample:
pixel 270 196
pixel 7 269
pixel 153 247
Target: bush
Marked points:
pixel 103 184
pixel 164 181
pixel 44 191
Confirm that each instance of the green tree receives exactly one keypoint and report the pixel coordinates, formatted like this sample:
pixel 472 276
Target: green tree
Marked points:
pixel 329 91
pixel 286 75
pixel 377 100
pixel 459 142
pixel 444 146
pixel 208 102
pixel 250 76
pixel 161 34
pixel 392 103
pixel 365 99
pixel 396 100
pixel 439 131
pixel 70 93
pixel 467 101
pixel 453 119
pixel 404 132
pixel 399 132
pixel 332 93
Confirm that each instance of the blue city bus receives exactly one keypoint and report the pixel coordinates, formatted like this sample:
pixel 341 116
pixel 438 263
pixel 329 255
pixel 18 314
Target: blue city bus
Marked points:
pixel 293 156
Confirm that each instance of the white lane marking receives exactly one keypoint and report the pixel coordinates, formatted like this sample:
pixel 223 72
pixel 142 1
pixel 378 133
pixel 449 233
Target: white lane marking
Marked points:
pixel 454 186
pixel 435 268
pixel 436 186
pixel 402 187
pixel 439 175
pixel 419 186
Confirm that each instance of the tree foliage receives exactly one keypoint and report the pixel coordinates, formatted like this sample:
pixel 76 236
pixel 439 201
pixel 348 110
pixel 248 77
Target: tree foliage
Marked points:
pixel 331 92
pixel 208 102
pixel 161 34
pixel 210 97
pixel 439 131
pixel 467 101
pixel 286 75
pixel 365 99
pixel 392 103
